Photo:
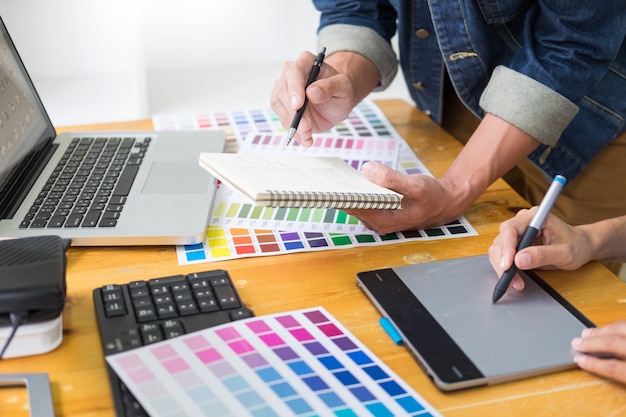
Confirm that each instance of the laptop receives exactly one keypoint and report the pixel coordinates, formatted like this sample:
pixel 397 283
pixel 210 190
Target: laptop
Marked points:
pixel 96 188
pixel 445 317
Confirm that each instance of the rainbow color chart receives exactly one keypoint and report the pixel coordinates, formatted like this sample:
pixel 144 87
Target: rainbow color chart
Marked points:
pixel 299 363
pixel 230 243
pixel 238 228
pixel 365 120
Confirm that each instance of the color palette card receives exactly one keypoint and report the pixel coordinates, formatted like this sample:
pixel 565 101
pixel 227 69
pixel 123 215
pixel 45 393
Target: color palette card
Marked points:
pixel 365 120
pixel 299 363
pixel 240 230
pixel 231 209
pixel 355 151
pixel 232 243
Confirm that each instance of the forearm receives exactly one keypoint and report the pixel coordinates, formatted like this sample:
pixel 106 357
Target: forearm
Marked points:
pixel 607 238
pixel 495 147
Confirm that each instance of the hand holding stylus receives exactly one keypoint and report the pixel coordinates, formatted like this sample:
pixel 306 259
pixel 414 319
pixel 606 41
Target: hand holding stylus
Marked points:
pixel 530 234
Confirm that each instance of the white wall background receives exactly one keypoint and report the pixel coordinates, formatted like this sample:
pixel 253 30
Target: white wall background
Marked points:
pixel 99 61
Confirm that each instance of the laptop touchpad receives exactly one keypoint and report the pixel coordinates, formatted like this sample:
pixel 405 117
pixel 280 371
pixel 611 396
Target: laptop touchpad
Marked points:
pixel 176 177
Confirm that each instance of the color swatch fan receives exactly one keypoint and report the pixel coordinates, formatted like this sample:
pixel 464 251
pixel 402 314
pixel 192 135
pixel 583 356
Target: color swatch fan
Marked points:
pixel 299 363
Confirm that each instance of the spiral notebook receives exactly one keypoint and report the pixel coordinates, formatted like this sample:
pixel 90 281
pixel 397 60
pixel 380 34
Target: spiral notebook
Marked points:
pixel 299 181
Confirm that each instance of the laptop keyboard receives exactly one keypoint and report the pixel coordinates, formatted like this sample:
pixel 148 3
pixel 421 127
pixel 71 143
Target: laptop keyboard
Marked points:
pixel 89 185
pixel 144 312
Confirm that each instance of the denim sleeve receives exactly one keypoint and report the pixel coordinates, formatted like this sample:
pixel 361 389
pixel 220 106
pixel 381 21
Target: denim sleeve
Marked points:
pixel 364 27
pixel 568 45
pixel 528 105
pixel 565 48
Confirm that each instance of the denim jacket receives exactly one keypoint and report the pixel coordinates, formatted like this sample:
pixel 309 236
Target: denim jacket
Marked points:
pixel 555 69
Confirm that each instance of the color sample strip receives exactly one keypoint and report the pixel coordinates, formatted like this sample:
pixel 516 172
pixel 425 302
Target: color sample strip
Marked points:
pixel 354 151
pixel 359 357
pixel 240 388
pixel 299 363
pixel 151 388
pixel 231 209
pixel 217 120
pixel 233 243
pixel 365 120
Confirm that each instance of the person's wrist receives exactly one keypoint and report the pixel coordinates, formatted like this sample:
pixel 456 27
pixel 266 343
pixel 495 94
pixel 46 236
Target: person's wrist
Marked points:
pixel 458 194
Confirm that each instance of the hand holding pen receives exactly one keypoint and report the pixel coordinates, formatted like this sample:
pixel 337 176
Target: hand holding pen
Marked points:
pixel 530 234
pixel 315 70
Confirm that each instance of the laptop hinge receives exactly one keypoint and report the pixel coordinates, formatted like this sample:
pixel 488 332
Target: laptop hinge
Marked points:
pixel 21 180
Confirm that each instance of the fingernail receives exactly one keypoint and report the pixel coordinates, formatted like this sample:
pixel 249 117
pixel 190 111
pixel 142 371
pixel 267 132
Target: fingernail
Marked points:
pixel 503 263
pixel 576 341
pixel 523 260
pixel 368 169
pixel 314 93
pixel 586 332
pixel 294 102
pixel 517 285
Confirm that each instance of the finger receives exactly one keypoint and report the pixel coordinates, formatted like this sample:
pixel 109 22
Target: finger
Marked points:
pixel 542 256
pixel 617 328
pixel 518 283
pixel 609 344
pixel 304 133
pixel 279 101
pixel 608 368
pixel 384 176
pixel 296 76
pixel 502 252
pixel 329 84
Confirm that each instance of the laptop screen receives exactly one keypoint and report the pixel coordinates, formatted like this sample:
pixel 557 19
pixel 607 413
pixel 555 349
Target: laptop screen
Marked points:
pixel 24 123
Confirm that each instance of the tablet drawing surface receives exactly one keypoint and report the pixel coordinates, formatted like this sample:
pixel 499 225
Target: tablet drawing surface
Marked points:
pixel 444 313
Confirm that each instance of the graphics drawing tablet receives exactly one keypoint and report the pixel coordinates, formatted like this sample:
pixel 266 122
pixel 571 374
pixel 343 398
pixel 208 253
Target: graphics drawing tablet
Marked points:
pixel 445 316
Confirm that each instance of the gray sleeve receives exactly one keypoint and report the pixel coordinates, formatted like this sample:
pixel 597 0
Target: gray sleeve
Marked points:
pixel 364 41
pixel 528 105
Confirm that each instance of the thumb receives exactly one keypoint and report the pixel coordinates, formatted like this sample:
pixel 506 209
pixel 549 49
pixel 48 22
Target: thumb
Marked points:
pixel 335 86
pixel 541 256
pixel 382 175
pixel 524 259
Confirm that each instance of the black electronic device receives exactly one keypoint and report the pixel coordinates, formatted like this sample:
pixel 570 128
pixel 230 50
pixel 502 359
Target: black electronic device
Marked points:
pixel 142 312
pixel 446 318
pixel 32 278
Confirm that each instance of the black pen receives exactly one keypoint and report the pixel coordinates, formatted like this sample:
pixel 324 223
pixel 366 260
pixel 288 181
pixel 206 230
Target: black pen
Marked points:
pixel 317 65
pixel 530 234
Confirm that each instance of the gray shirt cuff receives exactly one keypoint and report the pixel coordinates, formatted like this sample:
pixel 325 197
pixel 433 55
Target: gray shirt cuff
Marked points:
pixel 528 105
pixel 364 41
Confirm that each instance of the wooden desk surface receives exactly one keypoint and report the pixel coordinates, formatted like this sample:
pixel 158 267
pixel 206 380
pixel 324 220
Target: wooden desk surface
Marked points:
pixel 327 278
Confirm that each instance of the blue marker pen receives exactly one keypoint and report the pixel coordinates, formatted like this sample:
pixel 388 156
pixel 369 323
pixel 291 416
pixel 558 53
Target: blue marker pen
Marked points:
pixel 391 331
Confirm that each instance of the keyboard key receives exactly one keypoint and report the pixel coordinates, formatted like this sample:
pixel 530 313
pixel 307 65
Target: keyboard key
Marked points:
pixel 226 297
pixel 126 180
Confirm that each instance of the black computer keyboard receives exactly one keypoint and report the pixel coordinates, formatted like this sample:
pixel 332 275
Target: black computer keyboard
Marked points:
pixel 144 312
